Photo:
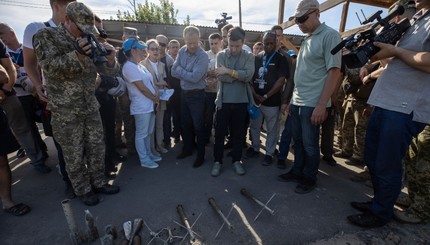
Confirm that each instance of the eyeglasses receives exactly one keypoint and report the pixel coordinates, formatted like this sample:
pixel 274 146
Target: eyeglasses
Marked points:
pixel 162 44
pixel 154 49
pixel 304 18
pixel 270 32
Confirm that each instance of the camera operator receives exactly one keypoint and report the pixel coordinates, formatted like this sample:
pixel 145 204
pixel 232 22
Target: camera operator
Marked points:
pixel 105 92
pixel 70 59
pixel 400 99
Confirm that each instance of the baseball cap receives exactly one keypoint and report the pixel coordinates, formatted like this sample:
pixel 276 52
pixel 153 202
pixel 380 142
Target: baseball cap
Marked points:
pixel 129 32
pixel 303 7
pixel 132 43
pixel 82 16
pixel 404 3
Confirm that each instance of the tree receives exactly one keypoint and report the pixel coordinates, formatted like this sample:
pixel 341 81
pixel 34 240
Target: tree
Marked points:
pixel 164 13
pixel 187 20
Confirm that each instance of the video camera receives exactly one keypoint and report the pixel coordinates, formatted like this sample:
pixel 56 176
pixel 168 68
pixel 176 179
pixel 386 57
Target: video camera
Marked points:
pixel 222 22
pixel 390 33
pixel 98 52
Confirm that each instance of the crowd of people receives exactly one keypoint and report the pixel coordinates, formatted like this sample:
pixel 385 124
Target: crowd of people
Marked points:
pixel 86 92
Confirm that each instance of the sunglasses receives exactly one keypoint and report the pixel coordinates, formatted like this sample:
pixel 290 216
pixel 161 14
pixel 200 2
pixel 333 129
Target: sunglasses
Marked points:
pixel 304 18
pixel 162 44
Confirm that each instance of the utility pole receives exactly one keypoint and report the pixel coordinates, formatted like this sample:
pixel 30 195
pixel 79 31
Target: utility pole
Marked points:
pixel 240 13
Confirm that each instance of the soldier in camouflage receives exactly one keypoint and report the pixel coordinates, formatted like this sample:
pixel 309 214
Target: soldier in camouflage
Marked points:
pixel 354 119
pixel 417 168
pixel 64 56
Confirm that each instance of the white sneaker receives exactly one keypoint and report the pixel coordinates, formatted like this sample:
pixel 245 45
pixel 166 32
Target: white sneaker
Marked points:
pixel 149 164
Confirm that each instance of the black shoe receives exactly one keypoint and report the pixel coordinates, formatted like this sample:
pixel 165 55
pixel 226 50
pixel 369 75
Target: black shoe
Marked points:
pixel 42 168
pixel 20 153
pixel 267 160
pixel 250 153
pixel 361 206
pixel 289 177
pixel 354 162
pixel 342 154
pixel 69 192
pixel 281 164
pixel 110 176
pixel 89 199
pixel 107 189
pixel 367 220
pixel 117 158
pixel 198 162
pixel 306 185
pixel 228 145
pixel 330 160
pixel 183 155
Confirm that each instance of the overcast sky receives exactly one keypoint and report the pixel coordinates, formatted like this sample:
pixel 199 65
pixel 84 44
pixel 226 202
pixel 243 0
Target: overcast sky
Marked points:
pixel 256 14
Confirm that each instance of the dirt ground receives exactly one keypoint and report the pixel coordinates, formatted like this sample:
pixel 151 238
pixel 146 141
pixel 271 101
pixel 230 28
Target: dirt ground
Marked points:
pixel 153 195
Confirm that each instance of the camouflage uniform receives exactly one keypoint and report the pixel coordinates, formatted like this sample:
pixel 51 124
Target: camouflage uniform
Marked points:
pixel 417 168
pixel 76 120
pixel 354 124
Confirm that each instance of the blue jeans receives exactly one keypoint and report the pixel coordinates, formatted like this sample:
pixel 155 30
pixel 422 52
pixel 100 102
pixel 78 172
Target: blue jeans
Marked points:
pixel 192 120
pixel 388 137
pixel 284 145
pixel 145 124
pixel 306 142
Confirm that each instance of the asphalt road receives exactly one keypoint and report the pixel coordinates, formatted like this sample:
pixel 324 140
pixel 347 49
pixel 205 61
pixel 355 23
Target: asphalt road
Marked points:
pixel 154 194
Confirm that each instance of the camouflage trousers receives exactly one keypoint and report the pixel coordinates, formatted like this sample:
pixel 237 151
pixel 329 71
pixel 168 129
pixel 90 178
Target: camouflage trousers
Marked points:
pixel 354 127
pixel 417 168
pixel 81 138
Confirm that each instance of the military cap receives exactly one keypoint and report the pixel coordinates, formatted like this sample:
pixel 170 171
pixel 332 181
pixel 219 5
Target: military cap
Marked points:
pixel 129 32
pixel 82 16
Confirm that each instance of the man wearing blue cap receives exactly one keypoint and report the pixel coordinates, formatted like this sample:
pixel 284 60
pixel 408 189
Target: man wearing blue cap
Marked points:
pixel 67 59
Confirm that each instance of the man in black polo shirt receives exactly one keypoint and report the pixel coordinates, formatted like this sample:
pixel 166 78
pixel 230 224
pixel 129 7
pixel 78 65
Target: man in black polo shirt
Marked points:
pixel 271 72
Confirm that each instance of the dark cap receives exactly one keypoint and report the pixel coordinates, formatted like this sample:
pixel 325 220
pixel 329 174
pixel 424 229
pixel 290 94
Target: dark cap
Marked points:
pixel 82 16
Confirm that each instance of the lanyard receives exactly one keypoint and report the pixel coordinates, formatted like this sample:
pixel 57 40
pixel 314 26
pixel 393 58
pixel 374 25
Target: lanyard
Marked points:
pixel 265 64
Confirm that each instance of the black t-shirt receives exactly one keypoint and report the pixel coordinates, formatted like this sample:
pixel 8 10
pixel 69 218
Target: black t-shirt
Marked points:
pixel 276 68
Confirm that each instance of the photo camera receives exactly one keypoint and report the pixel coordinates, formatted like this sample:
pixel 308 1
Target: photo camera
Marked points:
pixel 98 52
pixel 361 45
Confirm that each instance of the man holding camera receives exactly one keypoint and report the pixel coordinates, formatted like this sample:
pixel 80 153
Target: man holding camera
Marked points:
pixel 400 99
pixel 66 55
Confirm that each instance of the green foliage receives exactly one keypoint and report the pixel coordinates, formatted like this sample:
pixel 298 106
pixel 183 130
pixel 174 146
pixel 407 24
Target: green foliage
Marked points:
pixel 187 21
pixel 164 13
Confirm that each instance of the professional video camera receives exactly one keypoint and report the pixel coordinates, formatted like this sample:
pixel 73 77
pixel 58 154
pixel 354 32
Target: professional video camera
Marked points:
pixel 361 45
pixel 222 22
pixel 98 52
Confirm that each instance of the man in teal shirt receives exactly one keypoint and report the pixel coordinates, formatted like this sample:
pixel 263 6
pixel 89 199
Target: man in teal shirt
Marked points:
pixel 315 79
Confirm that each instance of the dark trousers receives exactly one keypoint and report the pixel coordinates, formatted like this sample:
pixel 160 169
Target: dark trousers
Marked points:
pixel 388 137
pixel 107 114
pixel 231 116
pixel 172 115
pixel 327 133
pixel 28 103
pixel 192 120
pixel 209 115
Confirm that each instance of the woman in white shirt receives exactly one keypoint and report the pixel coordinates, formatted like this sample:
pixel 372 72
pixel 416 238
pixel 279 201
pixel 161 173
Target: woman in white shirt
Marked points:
pixel 158 74
pixel 143 95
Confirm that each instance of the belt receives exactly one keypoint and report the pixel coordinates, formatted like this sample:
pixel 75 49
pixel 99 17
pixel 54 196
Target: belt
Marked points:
pixel 192 91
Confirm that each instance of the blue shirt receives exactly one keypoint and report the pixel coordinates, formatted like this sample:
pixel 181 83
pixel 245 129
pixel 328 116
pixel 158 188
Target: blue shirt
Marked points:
pixel 191 69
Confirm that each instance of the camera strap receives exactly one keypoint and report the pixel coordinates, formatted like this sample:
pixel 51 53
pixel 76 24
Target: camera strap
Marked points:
pixel 265 64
